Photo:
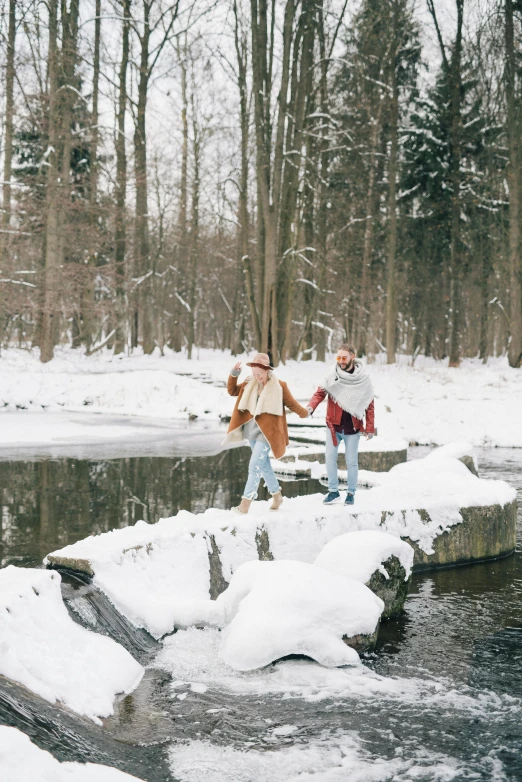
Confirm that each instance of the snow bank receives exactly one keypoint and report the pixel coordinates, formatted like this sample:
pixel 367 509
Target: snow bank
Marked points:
pixel 161 575
pixel 430 403
pixel 20 760
pixel 273 609
pixel 359 554
pixel 42 648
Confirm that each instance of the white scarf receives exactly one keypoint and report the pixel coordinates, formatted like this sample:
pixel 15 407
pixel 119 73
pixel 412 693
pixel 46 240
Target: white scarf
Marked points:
pixel 352 391
pixel 270 400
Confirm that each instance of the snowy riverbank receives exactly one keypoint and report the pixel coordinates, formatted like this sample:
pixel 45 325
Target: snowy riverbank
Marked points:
pixel 426 404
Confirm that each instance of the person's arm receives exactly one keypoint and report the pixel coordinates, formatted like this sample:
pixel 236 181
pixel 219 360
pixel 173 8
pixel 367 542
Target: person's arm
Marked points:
pixel 232 387
pixel 292 404
pixel 316 399
pixel 370 419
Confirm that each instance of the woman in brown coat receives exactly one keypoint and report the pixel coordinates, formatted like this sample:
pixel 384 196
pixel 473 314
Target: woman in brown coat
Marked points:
pixel 259 417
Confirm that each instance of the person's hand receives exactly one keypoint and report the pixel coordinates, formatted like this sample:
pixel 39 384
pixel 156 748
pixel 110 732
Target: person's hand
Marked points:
pixel 368 435
pixel 310 411
pixel 237 366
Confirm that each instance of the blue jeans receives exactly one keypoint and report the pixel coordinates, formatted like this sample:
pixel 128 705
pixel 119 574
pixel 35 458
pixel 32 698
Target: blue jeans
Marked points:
pixel 351 452
pixel 260 467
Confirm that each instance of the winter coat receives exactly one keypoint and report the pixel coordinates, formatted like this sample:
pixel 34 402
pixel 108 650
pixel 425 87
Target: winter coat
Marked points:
pixel 334 414
pixel 273 427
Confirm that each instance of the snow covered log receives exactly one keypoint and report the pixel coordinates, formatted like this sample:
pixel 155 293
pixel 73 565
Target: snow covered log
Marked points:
pixel 161 576
pixel 81 669
pixel 380 561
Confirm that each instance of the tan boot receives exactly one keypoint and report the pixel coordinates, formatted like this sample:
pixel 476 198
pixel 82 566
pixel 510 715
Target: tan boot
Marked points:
pixel 243 507
pixel 277 500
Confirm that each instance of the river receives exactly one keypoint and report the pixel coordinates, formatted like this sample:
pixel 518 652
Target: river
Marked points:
pixel 439 698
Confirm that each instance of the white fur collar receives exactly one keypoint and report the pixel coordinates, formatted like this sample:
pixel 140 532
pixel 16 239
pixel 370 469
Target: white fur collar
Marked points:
pixel 270 400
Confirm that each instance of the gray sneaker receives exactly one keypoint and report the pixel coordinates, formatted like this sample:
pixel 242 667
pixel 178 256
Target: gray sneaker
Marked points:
pixel 331 497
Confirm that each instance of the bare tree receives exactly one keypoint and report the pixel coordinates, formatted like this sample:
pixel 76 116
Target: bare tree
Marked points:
pixel 149 55
pixel 121 184
pixel 8 139
pixel 513 132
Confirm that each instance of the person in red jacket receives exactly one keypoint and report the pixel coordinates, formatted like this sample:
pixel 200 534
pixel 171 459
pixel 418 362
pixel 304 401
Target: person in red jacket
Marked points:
pixel 350 413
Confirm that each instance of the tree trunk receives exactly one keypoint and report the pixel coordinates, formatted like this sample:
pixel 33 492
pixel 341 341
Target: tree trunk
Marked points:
pixel 141 230
pixel 121 186
pixel 322 210
pixel 364 294
pixel 455 157
pixel 391 293
pixel 87 302
pixel 8 141
pixel 243 217
pixel 194 235
pixel 52 217
pixel 182 273
pixel 513 131
pixel 301 94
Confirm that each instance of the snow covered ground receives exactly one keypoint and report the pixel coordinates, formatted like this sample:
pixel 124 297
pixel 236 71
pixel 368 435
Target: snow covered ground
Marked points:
pixel 42 648
pixel 428 403
pixel 23 761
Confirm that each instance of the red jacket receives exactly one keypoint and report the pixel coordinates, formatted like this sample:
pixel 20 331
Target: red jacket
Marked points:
pixel 334 413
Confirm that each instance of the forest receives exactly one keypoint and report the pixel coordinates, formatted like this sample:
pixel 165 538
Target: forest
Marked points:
pixel 279 175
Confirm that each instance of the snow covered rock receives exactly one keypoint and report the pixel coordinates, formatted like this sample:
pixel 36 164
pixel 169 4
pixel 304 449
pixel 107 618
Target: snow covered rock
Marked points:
pixel 274 609
pixel 42 648
pixel 157 575
pixel 383 562
pixel 461 450
pixel 20 760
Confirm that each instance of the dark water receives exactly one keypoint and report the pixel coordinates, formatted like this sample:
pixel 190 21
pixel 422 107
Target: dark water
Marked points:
pixel 457 650
pixel 49 503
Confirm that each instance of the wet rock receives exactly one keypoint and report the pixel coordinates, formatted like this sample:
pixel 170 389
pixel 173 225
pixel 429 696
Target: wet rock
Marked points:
pixel 392 590
pixel 470 463
pixel 376 461
pixel 363 643
pixel 486 532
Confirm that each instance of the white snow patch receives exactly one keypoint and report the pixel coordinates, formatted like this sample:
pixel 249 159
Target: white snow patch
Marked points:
pixel 23 761
pixel 42 648
pixel 359 554
pixel 273 609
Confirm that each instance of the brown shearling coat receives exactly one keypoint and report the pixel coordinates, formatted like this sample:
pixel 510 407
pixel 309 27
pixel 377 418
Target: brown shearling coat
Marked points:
pixel 273 426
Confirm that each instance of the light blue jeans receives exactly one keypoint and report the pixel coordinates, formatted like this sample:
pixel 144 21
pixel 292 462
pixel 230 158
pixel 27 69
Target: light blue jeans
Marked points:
pixel 260 467
pixel 351 452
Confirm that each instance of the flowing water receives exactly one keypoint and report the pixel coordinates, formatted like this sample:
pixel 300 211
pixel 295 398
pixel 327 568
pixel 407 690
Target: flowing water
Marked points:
pixel 439 699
